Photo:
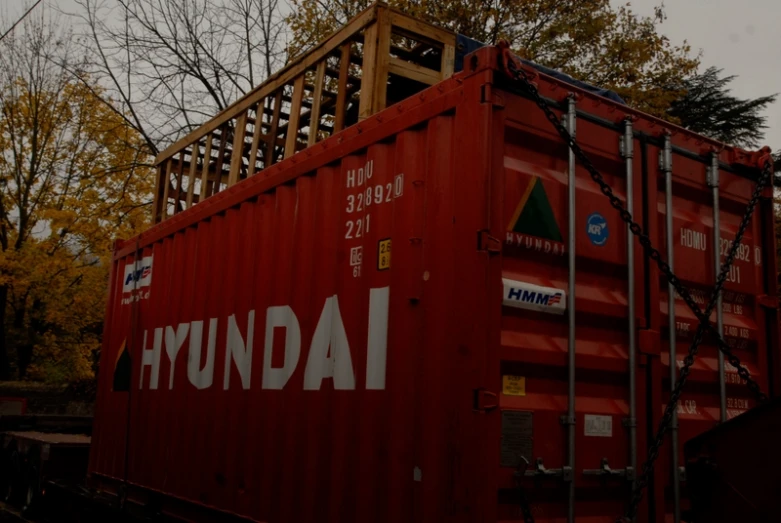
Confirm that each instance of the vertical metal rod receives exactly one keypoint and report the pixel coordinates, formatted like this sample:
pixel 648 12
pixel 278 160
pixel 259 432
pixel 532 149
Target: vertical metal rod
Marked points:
pixel 571 292
pixel 628 151
pixel 713 181
pixel 667 167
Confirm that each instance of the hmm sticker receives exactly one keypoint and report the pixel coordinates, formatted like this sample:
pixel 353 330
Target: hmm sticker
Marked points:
pixel 596 228
pixel 384 254
pixel 522 295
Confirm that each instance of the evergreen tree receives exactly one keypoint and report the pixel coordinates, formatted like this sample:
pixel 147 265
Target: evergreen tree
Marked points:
pixel 709 108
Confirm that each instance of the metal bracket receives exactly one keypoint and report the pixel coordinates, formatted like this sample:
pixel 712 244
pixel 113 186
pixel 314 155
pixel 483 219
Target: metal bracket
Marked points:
pixel 604 472
pixel 566 420
pixel 626 152
pixel 713 172
pixel 539 472
pixel 480 404
pixel 629 422
pixel 487 243
pixel 681 474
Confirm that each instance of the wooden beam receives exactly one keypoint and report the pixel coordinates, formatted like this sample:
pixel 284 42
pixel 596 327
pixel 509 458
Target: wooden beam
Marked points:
pixel 369 77
pixel 295 115
pixel 295 69
pixel 379 98
pixel 196 150
pixel 341 92
pixel 413 28
pixel 221 152
pixel 270 157
pixel 158 190
pixel 317 99
pixel 258 132
pixel 179 179
pixel 167 185
pixel 448 61
pixel 238 149
pixel 207 158
pixel 413 71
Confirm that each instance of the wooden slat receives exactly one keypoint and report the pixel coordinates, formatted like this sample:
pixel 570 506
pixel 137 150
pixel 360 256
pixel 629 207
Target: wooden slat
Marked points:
pixel 158 189
pixel 257 133
pixel 379 98
pixel 341 92
pixel 221 153
pixel 317 99
pixel 295 69
pixel 196 150
pixel 448 61
pixel 238 149
pixel 421 31
pixel 413 71
pixel 368 69
pixel 207 158
pixel 270 157
pixel 295 115
pixel 179 179
pixel 167 184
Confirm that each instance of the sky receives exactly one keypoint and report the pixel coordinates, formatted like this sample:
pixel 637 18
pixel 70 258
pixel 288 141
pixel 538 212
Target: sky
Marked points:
pixel 743 38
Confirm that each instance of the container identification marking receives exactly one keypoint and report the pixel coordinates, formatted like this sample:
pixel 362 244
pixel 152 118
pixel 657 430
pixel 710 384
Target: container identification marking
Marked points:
pixel 513 385
pixel 384 254
pixel 598 426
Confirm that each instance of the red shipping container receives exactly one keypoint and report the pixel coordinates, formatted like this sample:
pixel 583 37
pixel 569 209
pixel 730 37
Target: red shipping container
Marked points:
pixel 376 329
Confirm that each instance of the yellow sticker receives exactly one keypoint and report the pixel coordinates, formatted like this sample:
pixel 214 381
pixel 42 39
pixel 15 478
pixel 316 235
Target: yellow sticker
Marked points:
pixel 383 254
pixel 514 385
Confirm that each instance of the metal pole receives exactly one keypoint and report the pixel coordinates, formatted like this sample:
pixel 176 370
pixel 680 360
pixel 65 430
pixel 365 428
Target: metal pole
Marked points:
pixel 571 291
pixel 667 167
pixel 713 181
pixel 628 152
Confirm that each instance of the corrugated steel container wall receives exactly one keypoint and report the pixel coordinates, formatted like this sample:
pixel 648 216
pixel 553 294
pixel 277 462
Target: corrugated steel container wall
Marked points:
pixel 333 321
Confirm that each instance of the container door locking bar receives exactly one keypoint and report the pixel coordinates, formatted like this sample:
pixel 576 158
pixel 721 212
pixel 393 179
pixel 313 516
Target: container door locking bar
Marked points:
pixel 539 472
pixel 605 472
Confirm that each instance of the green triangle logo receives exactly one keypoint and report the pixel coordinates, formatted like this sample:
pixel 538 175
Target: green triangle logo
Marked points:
pixel 122 370
pixel 534 215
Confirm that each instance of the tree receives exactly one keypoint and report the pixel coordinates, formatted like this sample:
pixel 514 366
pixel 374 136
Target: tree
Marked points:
pixel 73 176
pixel 708 107
pixel 589 39
pixel 175 64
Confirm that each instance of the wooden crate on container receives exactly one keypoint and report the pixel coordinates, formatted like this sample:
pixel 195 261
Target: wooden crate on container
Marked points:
pixel 379 58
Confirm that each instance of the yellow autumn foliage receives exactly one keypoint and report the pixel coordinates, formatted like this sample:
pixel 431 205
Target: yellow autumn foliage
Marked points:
pixel 73 177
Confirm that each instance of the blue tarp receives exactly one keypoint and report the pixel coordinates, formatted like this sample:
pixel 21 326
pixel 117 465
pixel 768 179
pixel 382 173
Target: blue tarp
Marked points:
pixel 466 45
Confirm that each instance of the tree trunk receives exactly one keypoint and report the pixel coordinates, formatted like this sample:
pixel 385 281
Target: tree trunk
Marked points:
pixel 5 369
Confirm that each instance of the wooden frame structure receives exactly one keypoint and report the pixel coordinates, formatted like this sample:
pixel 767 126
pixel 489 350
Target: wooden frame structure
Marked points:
pixel 334 85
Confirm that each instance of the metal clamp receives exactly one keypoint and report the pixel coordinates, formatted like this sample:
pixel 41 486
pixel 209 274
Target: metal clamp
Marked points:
pixel 539 472
pixel 605 472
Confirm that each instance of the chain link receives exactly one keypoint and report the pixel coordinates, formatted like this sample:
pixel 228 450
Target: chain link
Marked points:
pixel 651 252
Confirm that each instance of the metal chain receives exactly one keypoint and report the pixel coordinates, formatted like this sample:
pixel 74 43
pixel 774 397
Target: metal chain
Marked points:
pixel 526 508
pixel 703 316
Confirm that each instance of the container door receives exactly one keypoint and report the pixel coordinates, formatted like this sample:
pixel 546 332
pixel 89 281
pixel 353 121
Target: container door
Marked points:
pixel 533 375
pixel 700 240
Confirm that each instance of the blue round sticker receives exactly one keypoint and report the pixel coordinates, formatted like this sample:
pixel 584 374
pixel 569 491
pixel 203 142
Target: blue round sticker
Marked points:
pixel 596 228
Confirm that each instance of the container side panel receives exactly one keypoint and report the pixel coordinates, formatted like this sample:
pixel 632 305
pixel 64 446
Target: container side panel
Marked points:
pixel 283 343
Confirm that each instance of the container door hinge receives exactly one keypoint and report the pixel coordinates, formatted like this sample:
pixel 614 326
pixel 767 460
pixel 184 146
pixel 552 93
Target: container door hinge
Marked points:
pixel 488 95
pixel 484 401
pixel 487 243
